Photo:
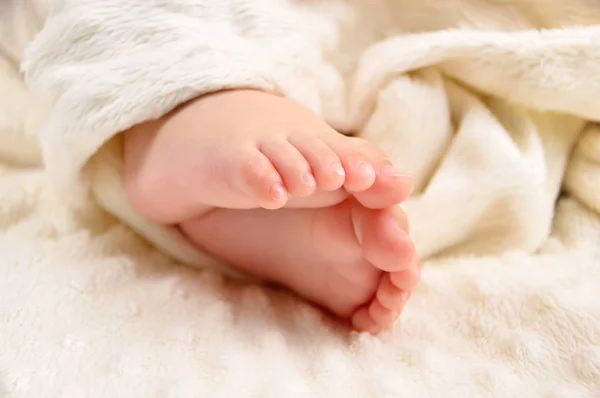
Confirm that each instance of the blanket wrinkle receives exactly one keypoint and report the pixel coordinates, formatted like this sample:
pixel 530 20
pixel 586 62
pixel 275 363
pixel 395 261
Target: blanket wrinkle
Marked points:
pixel 490 105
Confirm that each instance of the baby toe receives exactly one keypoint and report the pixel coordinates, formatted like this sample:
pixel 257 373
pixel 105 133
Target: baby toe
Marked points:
pixel 382 316
pixel 292 166
pixel 256 177
pixel 363 322
pixel 325 163
pixel 390 296
pixel 384 310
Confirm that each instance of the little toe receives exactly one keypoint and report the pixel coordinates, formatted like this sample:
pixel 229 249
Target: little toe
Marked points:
pixel 325 163
pixel 384 310
pixel 293 168
pixel 390 296
pixel 363 322
pixel 385 240
pixel 382 316
pixel 257 178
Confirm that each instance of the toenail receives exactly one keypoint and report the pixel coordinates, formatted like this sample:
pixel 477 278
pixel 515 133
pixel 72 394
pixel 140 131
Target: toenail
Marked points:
pixel 392 171
pixel 367 169
pixel 309 179
pixel 338 169
pixel 278 192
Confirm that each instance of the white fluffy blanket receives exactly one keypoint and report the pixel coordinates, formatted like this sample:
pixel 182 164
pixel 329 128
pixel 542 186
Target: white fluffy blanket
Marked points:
pixel 496 122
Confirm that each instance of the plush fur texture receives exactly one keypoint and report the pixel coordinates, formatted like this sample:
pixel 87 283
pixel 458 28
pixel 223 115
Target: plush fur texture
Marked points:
pixel 492 115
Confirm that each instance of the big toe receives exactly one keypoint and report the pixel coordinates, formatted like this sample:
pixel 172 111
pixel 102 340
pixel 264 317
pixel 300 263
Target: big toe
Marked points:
pixel 384 237
pixel 370 177
pixel 391 187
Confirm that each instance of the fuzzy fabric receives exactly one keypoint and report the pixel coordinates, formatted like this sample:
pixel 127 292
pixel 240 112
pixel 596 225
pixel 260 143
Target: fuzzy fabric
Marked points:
pixel 491 105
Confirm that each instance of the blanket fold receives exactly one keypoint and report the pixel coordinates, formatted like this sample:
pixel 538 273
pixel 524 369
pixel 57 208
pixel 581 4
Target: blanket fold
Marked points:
pixel 493 107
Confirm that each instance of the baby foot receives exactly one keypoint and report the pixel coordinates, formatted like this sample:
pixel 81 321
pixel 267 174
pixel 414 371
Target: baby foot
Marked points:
pixel 212 165
pixel 247 149
pixel 357 262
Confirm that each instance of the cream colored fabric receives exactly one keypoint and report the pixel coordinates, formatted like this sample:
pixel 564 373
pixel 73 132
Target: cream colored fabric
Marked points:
pixel 493 116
